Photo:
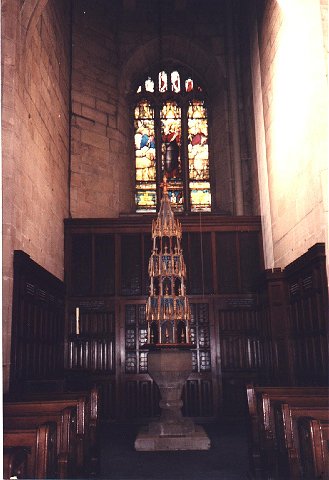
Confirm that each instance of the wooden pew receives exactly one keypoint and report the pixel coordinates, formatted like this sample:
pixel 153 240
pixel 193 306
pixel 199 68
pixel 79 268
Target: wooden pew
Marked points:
pixel 40 442
pixel 87 403
pixel 261 429
pixel 313 438
pixel 45 407
pixel 15 461
pixel 65 421
pixel 286 427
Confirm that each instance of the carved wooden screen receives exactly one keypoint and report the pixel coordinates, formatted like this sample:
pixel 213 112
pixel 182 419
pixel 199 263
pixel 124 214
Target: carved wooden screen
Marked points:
pixel 90 353
pixel 244 350
pixel 308 317
pixel 198 254
pixel 140 394
pixel 94 349
pixel 107 277
pixel 199 397
pixel 38 326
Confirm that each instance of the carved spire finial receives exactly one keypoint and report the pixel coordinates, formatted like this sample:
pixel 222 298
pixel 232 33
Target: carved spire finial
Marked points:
pixel 164 185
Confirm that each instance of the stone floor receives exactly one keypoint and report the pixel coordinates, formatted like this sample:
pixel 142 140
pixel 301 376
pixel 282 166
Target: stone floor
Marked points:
pixel 226 459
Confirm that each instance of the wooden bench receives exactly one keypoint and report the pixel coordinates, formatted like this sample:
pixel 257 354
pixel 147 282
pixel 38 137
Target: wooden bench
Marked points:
pixel 65 420
pixel 87 403
pixel 40 445
pixel 262 448
pixel 286 425
pixel 44 407
pixel 313 438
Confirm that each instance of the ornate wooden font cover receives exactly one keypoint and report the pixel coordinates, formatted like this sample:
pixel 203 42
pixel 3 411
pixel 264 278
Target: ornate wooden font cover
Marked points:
pixel 167 307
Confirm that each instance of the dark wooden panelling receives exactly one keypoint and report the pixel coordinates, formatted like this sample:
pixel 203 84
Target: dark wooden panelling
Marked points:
pixel 142 398
pixel 273 307
pixel 199 264
pixel 200 337
pixel 131 264
pixel 249 261
pixel 244 345
pixel 93 349
pixel 104 264
pixel 198 398
pixel 308 316
pixel 259 328
pixel 81 264
pixel 147 248
pixel 241 340
pixel 38 324
pixel 234 394
pixel 81 380
pixel 295 301
pixel 227 262
pixel 130 241
pixel 135 338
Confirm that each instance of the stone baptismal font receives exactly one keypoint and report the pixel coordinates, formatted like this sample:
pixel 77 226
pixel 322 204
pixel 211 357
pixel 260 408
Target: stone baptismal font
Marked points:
pixel 170 355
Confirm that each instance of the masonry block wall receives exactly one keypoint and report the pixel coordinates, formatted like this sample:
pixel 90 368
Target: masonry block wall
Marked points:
pixel 246 108
pixel 36 142
pixel 114 46
pixel 293 93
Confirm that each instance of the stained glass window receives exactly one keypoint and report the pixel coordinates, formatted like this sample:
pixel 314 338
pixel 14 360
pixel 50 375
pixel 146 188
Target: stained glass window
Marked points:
pixel 171 139
pixel 198 157
pixel 170 116
pixel 189 85
pixel 145 157
pixel 149 85
pixel 175 81
pixel 163 82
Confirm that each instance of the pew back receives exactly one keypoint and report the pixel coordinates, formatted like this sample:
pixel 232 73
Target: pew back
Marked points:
pixel 262 441
pixel 286 428
pixel 41 442
pixel 65 420
pixel 314 448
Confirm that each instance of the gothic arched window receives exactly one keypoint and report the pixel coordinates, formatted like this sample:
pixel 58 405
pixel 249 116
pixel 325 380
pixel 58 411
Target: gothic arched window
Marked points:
pixel 171 139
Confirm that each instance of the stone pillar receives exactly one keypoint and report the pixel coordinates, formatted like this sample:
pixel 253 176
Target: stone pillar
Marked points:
pixel 234 114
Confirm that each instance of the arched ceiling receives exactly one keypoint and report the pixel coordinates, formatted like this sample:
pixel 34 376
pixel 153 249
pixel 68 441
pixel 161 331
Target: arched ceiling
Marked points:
pixel 30 14
pixel 176 50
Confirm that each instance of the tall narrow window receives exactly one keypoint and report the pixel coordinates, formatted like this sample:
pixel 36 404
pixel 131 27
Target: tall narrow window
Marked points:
pixel 171 139
pixel 171 132
pixel 145 157
pixel 198 159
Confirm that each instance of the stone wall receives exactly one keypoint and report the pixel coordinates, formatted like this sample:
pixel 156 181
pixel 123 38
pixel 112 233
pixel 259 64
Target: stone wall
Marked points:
pixel 293 97
pixel 35 139
pixel 114 46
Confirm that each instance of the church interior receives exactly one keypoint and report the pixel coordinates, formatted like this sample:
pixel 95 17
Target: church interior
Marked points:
pixel 108 106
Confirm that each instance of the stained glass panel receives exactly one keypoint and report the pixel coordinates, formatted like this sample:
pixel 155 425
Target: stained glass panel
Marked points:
pixel 159 149
pixel 170 117
pixel 175 82
pixel 189 85
pixel 149 85
pixel 198 157
pixel 145 200
pixel 163 82
pixel 200 196
pixel 145 157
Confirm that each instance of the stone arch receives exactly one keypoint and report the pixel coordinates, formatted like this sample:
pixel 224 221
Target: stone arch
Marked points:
pixel 31 11
pixel 208 68
pixel 175 48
